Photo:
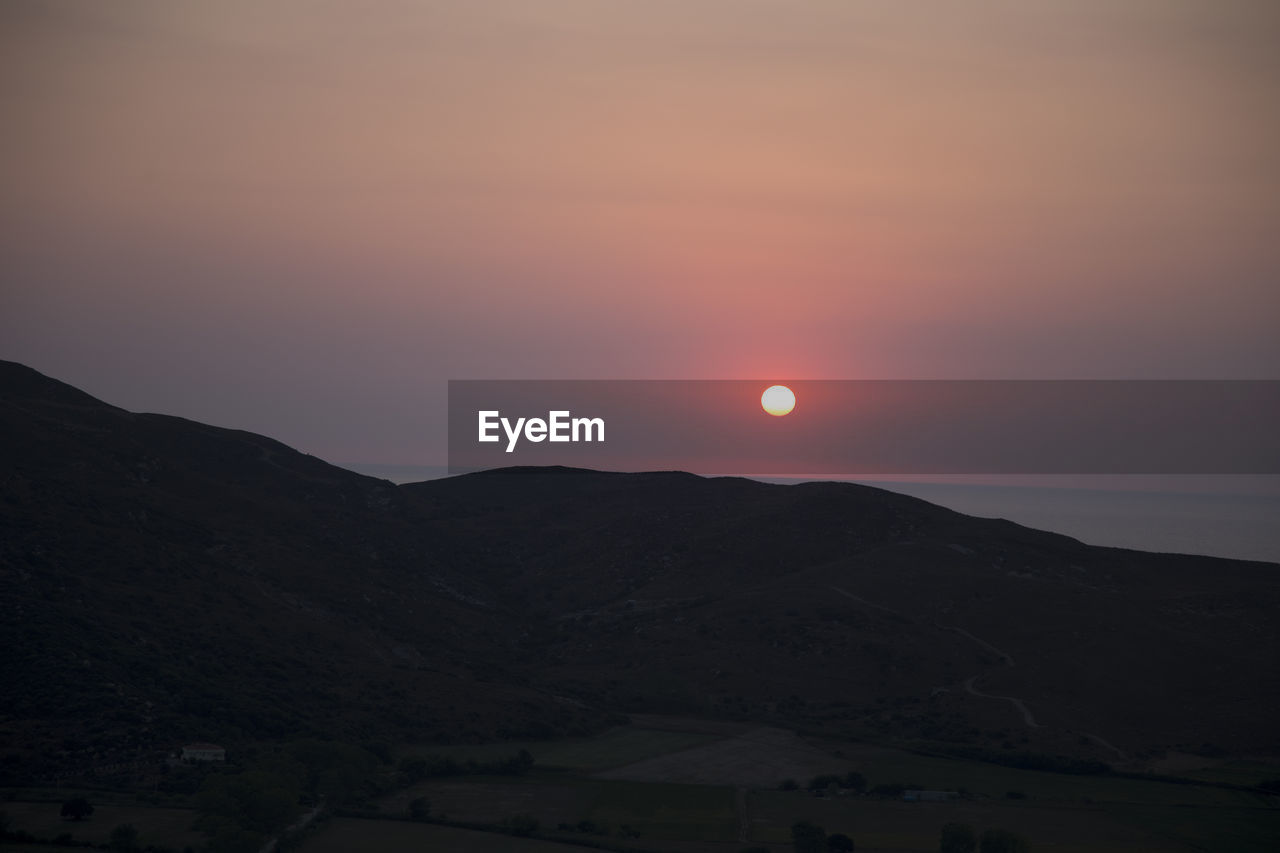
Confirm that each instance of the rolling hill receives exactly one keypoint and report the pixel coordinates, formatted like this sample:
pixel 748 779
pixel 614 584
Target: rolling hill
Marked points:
pixel 166 580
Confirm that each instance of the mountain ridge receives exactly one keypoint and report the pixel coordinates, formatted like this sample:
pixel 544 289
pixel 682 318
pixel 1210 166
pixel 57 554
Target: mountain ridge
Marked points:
pixel 171 580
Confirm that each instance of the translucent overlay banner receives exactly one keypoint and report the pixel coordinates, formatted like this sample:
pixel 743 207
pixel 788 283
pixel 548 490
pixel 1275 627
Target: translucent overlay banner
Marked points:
pixel 868 427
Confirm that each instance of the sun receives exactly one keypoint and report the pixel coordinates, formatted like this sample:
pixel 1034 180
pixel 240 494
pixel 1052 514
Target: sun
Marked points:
pixel 778 400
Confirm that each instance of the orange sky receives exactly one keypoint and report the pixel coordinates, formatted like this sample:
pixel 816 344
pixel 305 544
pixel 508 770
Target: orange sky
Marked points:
pixel 301 218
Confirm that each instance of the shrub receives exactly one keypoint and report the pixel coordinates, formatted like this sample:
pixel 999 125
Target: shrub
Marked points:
pixel 807 838
pixel 77 809
pixel 1003 841
pixel 958 838
pixel 838 842
pixel 521 824
pixel 124 838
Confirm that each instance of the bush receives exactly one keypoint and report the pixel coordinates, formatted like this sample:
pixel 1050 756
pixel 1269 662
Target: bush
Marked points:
pixel 124 838
pixel 824 781
pixel 520 824
pixel 889 790
pixel 958 838
pixel 77 809
pixel 1003 841
pixel 838 842
pixel 807 838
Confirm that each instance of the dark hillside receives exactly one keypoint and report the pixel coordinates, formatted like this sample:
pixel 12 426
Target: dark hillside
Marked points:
pixel 166 580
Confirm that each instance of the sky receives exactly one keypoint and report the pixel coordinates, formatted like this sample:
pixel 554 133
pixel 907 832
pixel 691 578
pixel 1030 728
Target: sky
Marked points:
pixel 303 218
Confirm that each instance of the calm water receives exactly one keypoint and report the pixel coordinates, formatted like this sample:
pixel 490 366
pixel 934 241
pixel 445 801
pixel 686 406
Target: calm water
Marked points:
pixel 1220 517
pixel 1243 526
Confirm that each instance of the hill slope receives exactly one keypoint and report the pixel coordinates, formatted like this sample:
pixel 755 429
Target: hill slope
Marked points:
pixel 166 580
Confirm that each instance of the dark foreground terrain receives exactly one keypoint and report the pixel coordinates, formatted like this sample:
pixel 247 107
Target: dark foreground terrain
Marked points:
pixel 165 581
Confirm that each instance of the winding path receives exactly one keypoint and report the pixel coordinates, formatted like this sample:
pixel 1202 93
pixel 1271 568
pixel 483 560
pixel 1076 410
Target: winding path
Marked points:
pixel 971 682
pixel 744 818
pixel 297 826
pixel 864 602
pixel 1017 703
pixel 973 679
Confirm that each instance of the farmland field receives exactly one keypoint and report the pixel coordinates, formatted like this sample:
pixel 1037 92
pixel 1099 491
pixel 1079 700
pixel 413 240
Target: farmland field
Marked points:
pixel 693 787
pixel 884 764
pixel 678 793
pixel 897 825
pixel 1237 772
pixel 619 746
pixel 655 810
pixel 342 835
pixel 1222 830
pixel 163 827
pixel 760 757
pixel 486 799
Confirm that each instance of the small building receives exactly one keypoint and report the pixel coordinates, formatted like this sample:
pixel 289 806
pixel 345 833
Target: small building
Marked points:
pixel 203 752
pixel 929 796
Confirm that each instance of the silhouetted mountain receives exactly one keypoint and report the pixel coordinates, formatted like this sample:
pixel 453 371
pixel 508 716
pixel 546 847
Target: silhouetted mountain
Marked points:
pixel 167 580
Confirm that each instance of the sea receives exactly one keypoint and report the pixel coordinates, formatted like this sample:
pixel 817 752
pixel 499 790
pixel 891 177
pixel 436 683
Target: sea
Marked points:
pixel 1218 516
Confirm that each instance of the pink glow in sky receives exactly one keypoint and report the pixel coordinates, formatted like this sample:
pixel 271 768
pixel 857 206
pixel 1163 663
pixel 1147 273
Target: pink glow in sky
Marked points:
pixel 302 218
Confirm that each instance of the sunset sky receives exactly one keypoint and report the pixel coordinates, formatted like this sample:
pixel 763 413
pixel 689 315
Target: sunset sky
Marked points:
pixel 303 218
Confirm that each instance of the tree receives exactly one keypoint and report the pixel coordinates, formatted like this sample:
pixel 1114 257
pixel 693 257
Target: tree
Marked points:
pixel 807 838
pixel 124 838
pixel 520 824
pixel 1003 841
pixel 415 768
pixel 420 808
pixel 838 842
pixel 855 780
pixel 256 801
pixel 824 781
pixel 958 838
pixel 77 809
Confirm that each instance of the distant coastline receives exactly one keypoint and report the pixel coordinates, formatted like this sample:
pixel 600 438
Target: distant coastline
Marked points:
pixel 1215 518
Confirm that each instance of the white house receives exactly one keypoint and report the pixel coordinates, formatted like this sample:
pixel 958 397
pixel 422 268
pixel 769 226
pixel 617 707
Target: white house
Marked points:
pixel 203 752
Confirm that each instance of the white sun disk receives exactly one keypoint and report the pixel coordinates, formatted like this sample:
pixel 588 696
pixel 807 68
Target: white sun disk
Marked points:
pixel 778 400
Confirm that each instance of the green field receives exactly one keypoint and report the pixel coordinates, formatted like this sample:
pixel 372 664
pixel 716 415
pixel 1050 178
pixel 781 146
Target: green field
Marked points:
pixel 897 825
pixel 883 764
pixel 1222 830
pixel 663 810
pixel 614 748
pixel 1237 772
pixel 162 827
pixel 626 778
pixel 343 835
pixel 657 810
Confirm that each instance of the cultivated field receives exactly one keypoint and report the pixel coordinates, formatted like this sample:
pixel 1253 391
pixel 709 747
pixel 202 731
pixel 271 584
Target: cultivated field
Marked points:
pixel 616 747
pixel 483 799
pixel 343 835
pixel 163 827
pixel 679 794
pixel 897 825
pixel 694 787
pixel 655 810
pixel 760 758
